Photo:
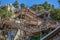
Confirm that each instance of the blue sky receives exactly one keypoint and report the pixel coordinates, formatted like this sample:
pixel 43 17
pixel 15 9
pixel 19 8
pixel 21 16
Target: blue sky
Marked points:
pixel 31 2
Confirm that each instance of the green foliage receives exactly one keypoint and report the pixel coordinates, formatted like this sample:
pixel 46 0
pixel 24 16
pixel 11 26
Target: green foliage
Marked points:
pixel 55 13
pixel 4 13
pixel 34 7
pixel 58 14
pixel 54 16
pixel 40 7
pixel 37 7
pixel 16 4
pixel 59 1
pixel 3 7
pixel 22 5
pixel 46 5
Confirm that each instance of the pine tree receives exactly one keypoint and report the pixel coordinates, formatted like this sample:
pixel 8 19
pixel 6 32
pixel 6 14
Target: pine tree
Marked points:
pixel 16 4
pixel 22 5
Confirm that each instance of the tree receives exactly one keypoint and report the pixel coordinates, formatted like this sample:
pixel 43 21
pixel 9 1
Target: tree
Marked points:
pixel 53 14
pixel 23 5
pixel 37 7
pixel 34 7
pixel 16 4
pixel 46 5
pixel 58 14
pixel 40 7
pixel 5 14
pixel 4 8
pixel 59 2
